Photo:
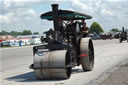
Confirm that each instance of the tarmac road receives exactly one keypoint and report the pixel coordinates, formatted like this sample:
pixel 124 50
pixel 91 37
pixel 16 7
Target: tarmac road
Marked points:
pixel 14 63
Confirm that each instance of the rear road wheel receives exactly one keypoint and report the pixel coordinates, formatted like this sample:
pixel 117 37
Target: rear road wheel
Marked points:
pixel 87 54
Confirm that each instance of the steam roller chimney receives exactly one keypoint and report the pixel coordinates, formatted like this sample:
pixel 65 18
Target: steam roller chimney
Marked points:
pixel 55 16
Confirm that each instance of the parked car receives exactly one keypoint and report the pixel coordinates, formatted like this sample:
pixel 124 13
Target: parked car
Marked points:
pixel 94 36
pixel 117 35
pixel 5 44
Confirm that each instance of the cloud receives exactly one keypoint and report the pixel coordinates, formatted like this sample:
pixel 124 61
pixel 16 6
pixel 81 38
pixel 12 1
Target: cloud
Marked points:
pixel 108 12
pixel 31 11
pixel 16 16
pixel 81 6
pixel 7 18
pixel 13 5
pixel 4 19
pixel 20 14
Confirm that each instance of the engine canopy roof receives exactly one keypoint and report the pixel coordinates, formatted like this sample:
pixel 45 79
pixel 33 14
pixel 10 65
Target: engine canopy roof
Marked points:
pixel 66 15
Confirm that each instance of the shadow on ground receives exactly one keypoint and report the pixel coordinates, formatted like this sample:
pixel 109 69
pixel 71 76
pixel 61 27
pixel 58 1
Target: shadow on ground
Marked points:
pixel 29 77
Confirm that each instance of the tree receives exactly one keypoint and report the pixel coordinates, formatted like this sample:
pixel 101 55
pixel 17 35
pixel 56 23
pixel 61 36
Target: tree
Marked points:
pixel 115 30
pixel 95 27
pixel 15 33
pixel 3 32
pixel 26 32
pixel 35 33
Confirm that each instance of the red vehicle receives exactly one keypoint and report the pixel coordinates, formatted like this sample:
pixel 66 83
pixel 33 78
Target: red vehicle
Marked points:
pixel 1 40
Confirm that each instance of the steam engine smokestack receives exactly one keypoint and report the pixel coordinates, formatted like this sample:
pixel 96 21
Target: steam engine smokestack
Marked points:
pixel 55 16
pixel 123 29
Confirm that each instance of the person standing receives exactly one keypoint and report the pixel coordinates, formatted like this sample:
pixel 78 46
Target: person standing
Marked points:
pixel 84 29
pixel 20 43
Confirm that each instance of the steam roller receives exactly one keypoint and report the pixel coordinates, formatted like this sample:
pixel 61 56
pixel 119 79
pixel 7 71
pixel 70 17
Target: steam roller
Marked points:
pixel 64 47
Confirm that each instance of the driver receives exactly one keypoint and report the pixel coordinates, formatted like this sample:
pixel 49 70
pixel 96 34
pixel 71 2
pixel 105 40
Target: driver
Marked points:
pixel 69 27
pixel 84 29
pixel 61 27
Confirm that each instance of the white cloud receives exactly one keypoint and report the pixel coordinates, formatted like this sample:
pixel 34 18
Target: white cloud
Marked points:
pixel 4 19
pixel 7 4
pixel 106 12
pixel 7 18
pixel 18 14
pixel 81 6
pixel 98 3
pixel 11 5
pixel 31 12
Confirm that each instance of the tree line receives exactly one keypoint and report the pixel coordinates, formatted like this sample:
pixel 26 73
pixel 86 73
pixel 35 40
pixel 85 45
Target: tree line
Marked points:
pixel 15 33
pixel 94 28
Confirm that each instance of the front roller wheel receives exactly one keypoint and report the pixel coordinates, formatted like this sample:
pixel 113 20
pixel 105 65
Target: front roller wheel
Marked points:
pixel 52 65
pixel 87 54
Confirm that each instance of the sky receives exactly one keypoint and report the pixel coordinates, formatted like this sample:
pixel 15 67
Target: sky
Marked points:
pixel 18 15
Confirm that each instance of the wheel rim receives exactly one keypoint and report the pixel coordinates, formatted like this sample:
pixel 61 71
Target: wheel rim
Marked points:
pixel 91 54
pixel 91 58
